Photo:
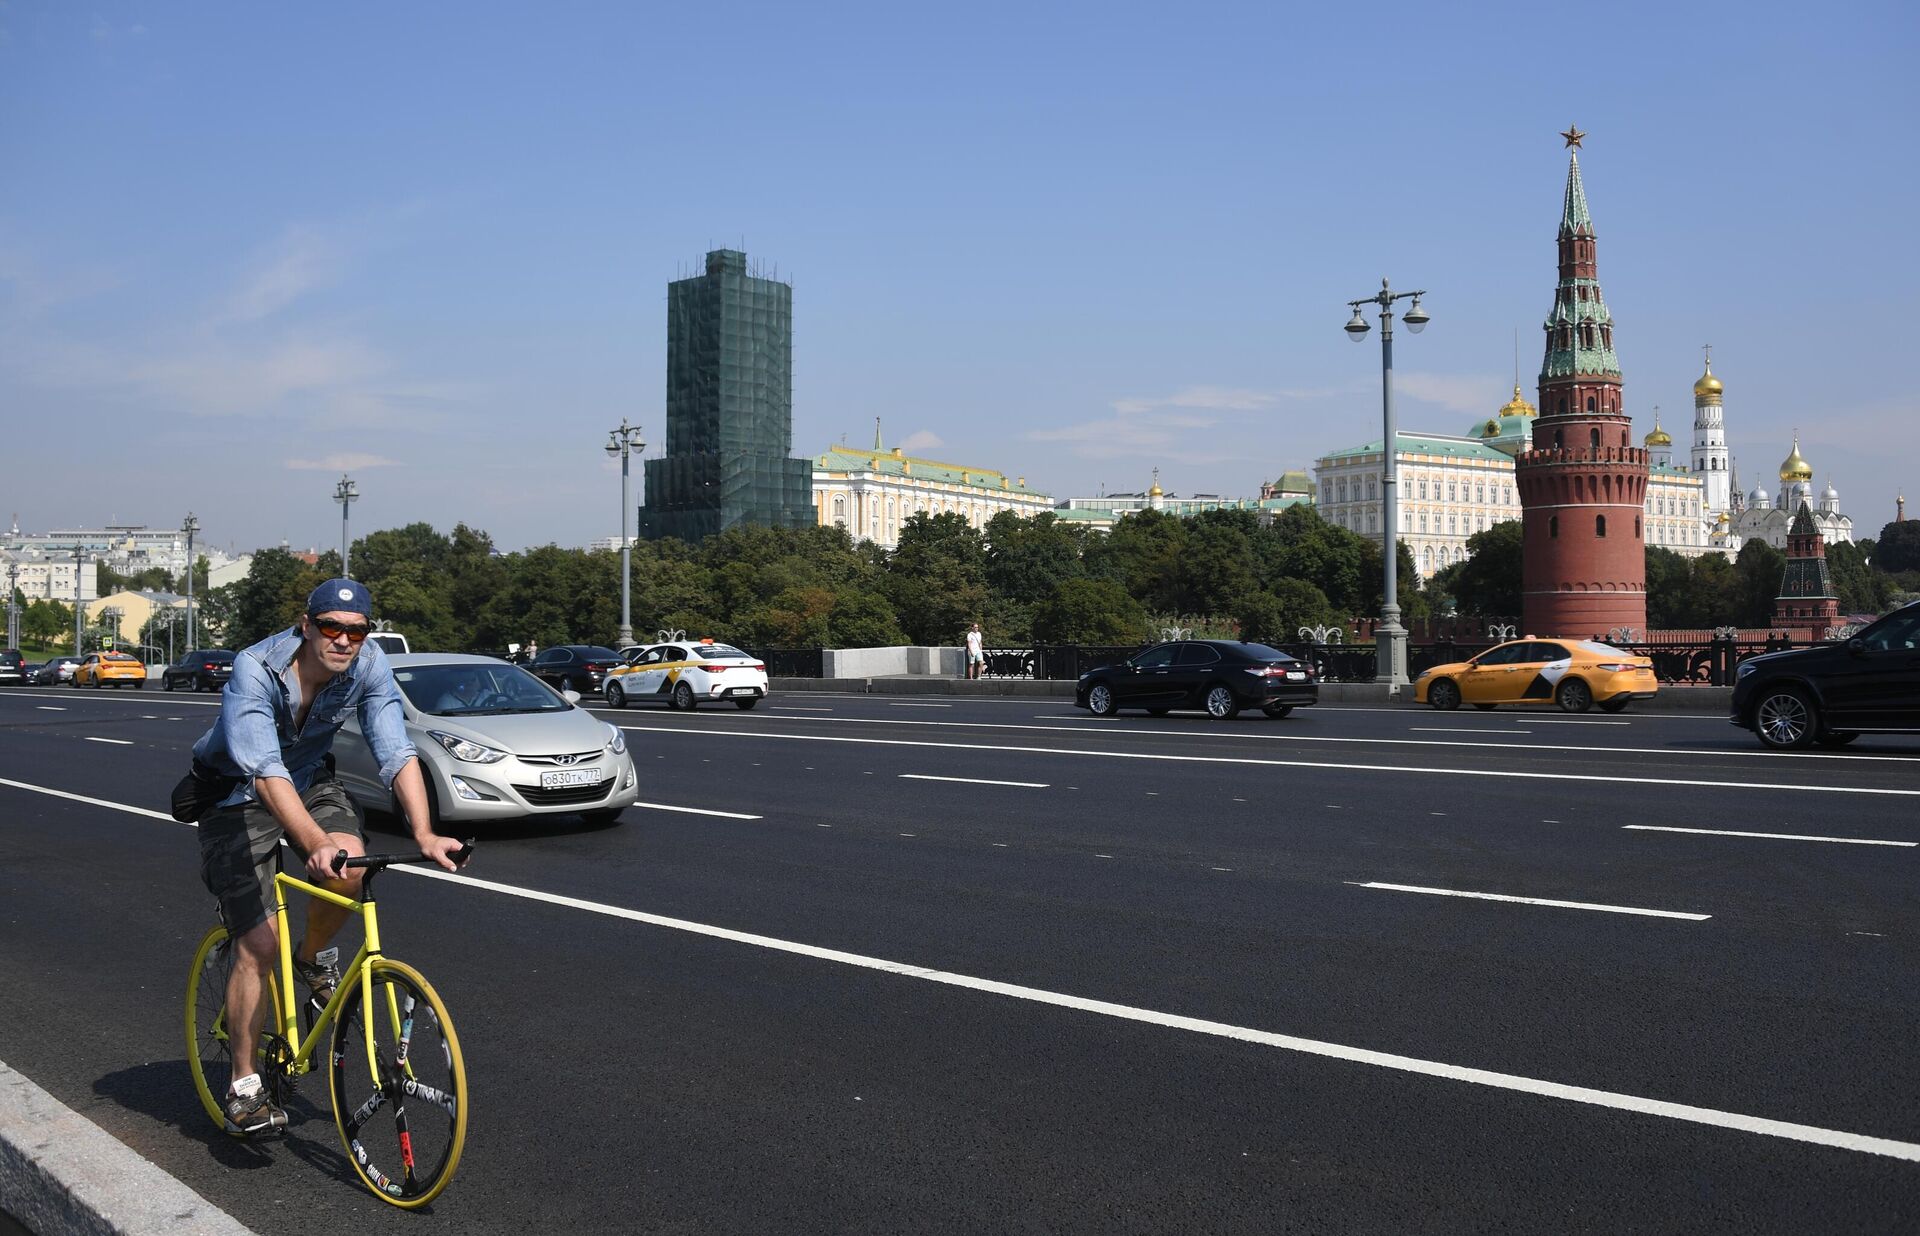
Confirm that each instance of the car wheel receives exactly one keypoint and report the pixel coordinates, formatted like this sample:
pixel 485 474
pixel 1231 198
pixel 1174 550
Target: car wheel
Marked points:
pixel 1785 719
pixel 166 682
pixel 1831 739
pixel 683 698
pixel 1221 705
pixel 1276 711
pixel 1100 700
pixel 746 703
pixel 1619 705
pixel 1444 694
pixel 616 695
pixel 1573 696
pixel 98 682
pixel 141 685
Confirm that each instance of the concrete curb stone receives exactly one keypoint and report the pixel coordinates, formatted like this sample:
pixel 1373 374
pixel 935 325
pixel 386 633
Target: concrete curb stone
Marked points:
pixel 62 1175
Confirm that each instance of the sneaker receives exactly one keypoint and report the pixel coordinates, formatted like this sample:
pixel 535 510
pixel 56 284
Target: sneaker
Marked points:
pixel 254 1113
pixel 321 975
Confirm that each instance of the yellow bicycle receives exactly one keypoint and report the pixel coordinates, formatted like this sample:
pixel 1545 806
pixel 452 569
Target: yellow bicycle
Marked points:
pixel 393 1047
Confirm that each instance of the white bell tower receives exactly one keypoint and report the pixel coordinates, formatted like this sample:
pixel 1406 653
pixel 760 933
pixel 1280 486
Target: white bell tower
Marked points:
pixel 1710 441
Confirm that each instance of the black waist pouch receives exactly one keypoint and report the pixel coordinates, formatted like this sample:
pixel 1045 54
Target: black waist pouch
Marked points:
pixel 199 792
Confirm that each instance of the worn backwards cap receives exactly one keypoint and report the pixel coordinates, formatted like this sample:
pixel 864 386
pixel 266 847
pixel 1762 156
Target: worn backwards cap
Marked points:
pixel 340 596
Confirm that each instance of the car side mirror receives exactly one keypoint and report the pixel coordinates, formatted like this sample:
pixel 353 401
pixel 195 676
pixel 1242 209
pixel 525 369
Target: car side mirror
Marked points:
pixel 571 696
pixel 1856 646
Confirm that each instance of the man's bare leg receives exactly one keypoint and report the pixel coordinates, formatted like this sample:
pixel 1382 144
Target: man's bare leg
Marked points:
pixel 323 917
pixel 253 956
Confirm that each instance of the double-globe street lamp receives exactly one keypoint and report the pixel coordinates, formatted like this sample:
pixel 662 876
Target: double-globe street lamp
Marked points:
pixel 623 442
pixel 344 493
pixel 1390 640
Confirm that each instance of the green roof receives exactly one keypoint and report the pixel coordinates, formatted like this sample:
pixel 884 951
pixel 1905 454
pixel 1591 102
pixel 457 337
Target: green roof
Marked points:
pixel 1429 444
pixel 852 459
pixel 1669 470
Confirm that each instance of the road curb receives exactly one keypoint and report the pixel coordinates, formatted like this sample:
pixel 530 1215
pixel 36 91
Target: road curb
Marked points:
pixel 1707 701
pixel 63 1175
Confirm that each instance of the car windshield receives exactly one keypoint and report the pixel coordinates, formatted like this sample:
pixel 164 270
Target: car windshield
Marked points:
pixel 715 652
pixel 476 690
pixel 116 656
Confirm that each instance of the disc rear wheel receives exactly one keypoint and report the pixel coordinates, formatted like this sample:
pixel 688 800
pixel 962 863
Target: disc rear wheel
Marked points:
pixel 401 1109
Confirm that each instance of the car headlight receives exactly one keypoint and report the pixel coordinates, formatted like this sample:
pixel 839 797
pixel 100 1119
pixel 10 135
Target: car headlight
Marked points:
pixel 618 743
pixel 467 749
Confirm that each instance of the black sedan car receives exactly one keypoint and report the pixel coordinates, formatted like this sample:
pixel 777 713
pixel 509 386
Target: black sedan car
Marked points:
pixel 574 667
pixel 1832 693
pixel 205 670
pixel 1220 675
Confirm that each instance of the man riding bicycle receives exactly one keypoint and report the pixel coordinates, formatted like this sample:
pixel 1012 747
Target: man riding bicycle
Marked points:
pixel 265 771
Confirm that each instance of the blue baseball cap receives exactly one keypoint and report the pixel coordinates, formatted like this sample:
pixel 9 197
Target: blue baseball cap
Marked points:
pixel 344 596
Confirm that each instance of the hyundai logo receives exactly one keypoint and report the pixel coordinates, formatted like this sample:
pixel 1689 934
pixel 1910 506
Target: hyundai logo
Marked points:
pixel 566 759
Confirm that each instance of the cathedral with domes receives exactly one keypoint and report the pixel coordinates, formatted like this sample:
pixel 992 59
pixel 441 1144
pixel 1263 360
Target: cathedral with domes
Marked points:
pixel 1769 517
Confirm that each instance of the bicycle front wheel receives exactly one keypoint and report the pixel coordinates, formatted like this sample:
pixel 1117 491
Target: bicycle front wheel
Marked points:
pixel 209 1052
pixel 399 1085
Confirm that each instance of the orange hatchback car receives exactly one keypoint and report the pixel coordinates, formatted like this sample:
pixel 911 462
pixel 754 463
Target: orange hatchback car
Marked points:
pixel 101 669
pixel 1572 674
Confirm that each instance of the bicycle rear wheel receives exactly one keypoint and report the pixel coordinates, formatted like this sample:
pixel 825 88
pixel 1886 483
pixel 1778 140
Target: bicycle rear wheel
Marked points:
pixel 403 1132
pixel 209 1054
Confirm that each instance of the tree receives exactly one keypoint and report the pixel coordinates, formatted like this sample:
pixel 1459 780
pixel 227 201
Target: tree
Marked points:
pixel 936 577
pixel 1488 583
pixel 45 621
pixel 1861 589
pixel 1028 558
pixel 1757 572
pixel 1897 549
pixel 1276 617
pixel 1670 601
pixel 272 596
pixel 1089 611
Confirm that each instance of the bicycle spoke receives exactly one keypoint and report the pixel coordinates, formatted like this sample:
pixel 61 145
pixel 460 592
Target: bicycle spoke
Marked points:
pixel 404 1130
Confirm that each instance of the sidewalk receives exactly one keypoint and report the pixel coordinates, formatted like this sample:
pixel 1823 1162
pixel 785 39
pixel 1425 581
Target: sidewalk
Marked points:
pixel 61 1174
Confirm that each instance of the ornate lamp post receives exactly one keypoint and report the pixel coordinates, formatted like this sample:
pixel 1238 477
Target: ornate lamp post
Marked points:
pixel 1391 638
pixel 345 493
pixel 190 526
pixel 623 442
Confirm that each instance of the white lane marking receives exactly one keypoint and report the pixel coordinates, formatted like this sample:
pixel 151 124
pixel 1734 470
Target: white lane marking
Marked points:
pixel 1025 785
pixel 147 716
pixel 50 708
pixel 1839 1139
pixel 1457 729
pixel 1262 734
pixel 1000 845
pixel 890 704
pixel 725 815
pixel 798 708
pixel 1249 761
pixel 1532 901
pixel 1565 721
pixel 1728 832
pixel 116 697
pixel 118 742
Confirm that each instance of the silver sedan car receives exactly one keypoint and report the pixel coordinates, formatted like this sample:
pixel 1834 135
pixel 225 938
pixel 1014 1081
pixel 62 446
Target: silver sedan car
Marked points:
pixel 495 743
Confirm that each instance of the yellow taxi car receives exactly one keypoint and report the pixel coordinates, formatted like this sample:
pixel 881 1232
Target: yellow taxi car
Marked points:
pixel 100 669
pixel 684 674
pixel 1574 674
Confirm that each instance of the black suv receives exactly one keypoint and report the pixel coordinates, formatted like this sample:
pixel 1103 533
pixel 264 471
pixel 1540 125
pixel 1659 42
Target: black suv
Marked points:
pixel 1832 693
pixel 575 667
pixel 1220 675
pixel 13 666
pixel 205 670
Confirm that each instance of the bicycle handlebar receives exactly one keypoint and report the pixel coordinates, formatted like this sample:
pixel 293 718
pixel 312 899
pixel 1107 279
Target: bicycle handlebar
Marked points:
pixel 379 862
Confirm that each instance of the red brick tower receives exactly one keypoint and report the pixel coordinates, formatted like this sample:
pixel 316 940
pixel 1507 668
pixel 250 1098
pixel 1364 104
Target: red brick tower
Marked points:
pixel 1583 485
pixel 1807 603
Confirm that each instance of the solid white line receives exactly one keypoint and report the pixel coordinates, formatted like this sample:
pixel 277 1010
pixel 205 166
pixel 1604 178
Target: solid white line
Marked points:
pixel 1838 1139
pixel 798 708
pixel 1727 832
pixel 50 708
pixel 725 815
pixel 91 802
pixel 1564 721
pixel 1026 785
pixel 118 742
pixel 1456 729
pixel 891 704
pixel 1533 901
pixel 1769 786
pixel 102 697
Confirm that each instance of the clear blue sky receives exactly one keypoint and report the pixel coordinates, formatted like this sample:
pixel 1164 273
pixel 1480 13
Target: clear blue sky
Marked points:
pixel 429 242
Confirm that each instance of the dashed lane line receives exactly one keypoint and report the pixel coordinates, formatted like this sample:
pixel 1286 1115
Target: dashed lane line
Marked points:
pixel 118 742
pixel 1532 901
pixel 1728 832
pixel 1025 785
pixel 1838 1139
pixel 1249 761
pixel 725 815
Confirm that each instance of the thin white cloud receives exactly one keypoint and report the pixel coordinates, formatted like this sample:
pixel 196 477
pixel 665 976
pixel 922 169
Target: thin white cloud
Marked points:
pixel 1219 399
pixel 342 463
pixel 1456 392
pixel 921 440
pixel 302 260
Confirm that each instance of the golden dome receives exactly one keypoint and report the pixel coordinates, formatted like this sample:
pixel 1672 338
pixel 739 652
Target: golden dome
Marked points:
pixel 1659 436
pixel 1795 467
pixel 1724 519
pixel 1518 406
pixel 1708 388
pixel 1156 491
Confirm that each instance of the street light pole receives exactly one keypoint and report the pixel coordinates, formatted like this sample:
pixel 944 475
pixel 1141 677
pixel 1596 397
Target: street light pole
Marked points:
pixel 623 442
pixel 1390 638
pixel 79 614
pixel 190 527
pixel 344 493
pixel 13 607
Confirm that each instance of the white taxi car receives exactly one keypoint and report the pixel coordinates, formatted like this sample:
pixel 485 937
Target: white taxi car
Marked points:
pixel 681 675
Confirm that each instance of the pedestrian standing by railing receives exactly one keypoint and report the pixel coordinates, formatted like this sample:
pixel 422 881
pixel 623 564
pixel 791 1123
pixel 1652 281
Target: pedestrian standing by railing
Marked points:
pixel 976 652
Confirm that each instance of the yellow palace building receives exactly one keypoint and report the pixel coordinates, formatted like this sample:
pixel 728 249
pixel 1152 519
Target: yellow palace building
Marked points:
pixel 872 493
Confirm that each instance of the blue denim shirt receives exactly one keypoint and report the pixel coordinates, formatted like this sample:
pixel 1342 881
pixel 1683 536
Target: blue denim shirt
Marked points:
pixel 254 734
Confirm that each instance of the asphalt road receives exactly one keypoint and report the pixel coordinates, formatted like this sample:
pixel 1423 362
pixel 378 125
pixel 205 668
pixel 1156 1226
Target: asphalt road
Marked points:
pixel 995 966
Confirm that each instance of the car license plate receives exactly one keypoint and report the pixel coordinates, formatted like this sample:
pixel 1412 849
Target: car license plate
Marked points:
pixel 1296 676
pixel 561 777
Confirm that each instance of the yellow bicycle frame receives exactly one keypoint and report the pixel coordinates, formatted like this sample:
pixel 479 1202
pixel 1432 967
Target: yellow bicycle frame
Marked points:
pixel 356 972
